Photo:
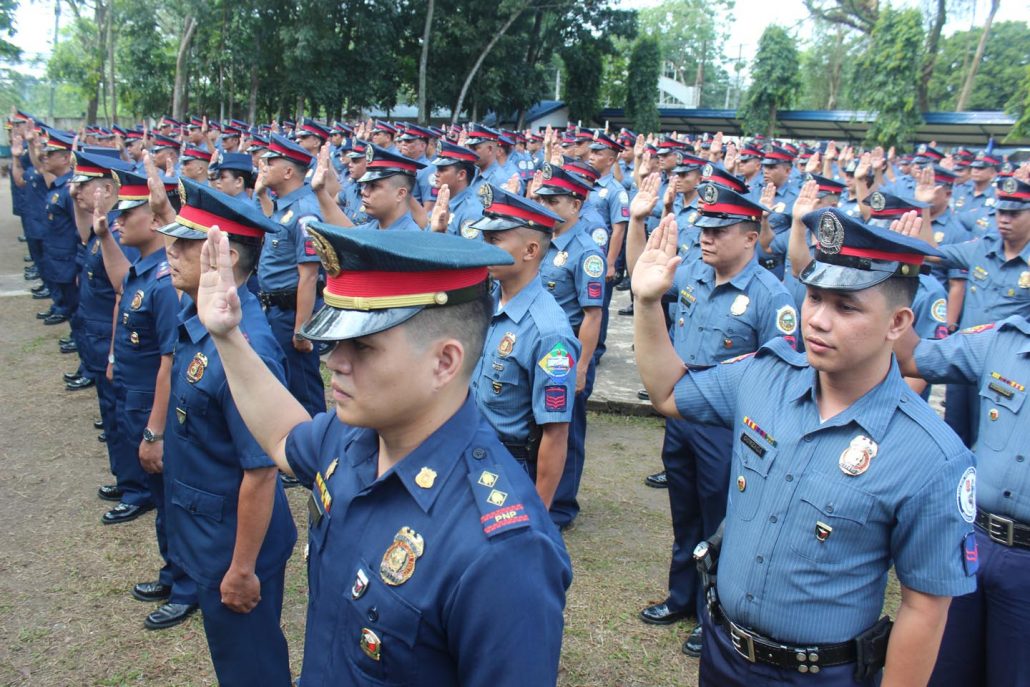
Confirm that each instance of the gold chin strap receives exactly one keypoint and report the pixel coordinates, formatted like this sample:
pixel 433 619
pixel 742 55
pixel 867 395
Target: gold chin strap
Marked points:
pixel 385 302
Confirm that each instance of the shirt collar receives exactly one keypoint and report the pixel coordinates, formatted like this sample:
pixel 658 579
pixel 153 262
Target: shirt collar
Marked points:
pixel 401 221
pixel 461 196
pixel 518 306
pixel 143 265
pixel 189 321
pixel 292 196
pixel 944 217
pixel 562 241
pixel 63 179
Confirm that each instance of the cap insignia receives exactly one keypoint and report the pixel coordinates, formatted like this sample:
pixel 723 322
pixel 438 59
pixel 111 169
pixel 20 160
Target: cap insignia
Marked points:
pixel 831 233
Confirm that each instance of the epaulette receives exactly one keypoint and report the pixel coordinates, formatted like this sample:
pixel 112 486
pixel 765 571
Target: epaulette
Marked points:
pixel 977 329
pixel 500 508
pixel 163 270
pixel 781 348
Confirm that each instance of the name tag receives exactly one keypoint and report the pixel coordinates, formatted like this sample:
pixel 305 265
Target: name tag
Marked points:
pixel 753 445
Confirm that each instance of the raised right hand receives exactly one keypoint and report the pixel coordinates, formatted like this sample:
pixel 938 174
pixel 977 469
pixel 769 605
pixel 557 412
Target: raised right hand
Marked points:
pixel 218 303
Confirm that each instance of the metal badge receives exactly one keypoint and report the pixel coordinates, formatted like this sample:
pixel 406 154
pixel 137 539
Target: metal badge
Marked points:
pixel 137 300
pixel 332 468
pixel 496 497
pixel 709 194
pixel 822 531
pixel 195 370
pixel 739 306
pixel 546 172
pixel 370 644
pixel 370 153
pixel 360 586
pixel 741 483
pixel 855 459
pixel 507 345
pixel 561 258
pixel 398 562
pixel 707 170
pixel 1009 185
pixel 488 479
pixel 182 192
pixel 993 414
pixel 486 195
pixel 134 337
pixel 425 478
pixel 1024 280
pixel 326 252
pixel 831 233
pixel 877 202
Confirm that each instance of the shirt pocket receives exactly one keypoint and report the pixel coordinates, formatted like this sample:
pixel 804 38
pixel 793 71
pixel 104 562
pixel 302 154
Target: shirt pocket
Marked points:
pixel 379 630
pixel 753 457
pixel 190 413
pixel 498 380
pixel 999 408
pixel 734 338
pixel 197 502
pixel 827 519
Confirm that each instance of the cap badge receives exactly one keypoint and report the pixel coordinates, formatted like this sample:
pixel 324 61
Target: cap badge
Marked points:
pixel 326 252
pixel 486 195
pixel 546 172
pixel 831 233
pixel 709 194
pixel 1010 185
pixel 182 192
pixel 877 202
pixel 679 158
pixel 370 153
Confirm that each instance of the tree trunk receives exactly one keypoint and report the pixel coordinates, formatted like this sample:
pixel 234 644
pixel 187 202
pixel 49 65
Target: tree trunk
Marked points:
pixel 110 66
pixel 423 64
pixel 967 87
pixel 836 67
pixel 189 28
pixel 930 56
pixel 252 101
pixel 479 62
pixel 771 132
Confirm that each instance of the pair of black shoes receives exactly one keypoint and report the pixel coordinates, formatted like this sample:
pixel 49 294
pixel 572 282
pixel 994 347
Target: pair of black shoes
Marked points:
pixel 660 614
pixel 167 614
pixel 51 317
pixel 73 381
pixel 70 347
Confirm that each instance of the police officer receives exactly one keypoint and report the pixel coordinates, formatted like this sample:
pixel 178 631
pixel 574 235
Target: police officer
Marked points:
pixel 288 269
pixel 349 197
pixel 235 174
pixel 438 514
pixel 727 305
pixel 231 530
pixel 413 143
pixel 141 367
pixel 457 207
pixel 573 272
pixel 524 383
pixel 822 193
pixel 62 241
pixel 982 173
pixel 32 196
pixel 838 472
pixel 484 141
pixel 777 169
pixel 383 135
pixel 194 163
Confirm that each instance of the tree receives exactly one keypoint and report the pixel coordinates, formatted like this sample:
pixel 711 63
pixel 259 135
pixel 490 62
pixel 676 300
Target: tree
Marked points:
pixel 827 64
pixel 1001 69
pixel 642 85
pixel 8 50
pixel 967 87
pixel 885 74
pixel 423 63
pixel 1019 106
pixel 774 81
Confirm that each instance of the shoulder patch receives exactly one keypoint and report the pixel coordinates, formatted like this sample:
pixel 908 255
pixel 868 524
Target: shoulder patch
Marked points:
pixel 163 270
pixel 939 310
pixel 600 237
pixel 593 266
pixel 500 509
pixel 787 319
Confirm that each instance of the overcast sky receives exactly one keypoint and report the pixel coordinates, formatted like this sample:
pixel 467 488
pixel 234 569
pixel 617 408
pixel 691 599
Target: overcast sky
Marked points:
pixel 35 21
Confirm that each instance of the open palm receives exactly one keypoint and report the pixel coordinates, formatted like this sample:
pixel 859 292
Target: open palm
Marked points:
pixel 218 303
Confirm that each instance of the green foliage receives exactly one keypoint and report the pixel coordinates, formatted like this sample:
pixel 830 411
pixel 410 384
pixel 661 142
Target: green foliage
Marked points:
pixel 827 66
pixel 1019 107
pixel 8 50
pixel 642 85
pixel 1006 55
pixel 774 81
pixel 615 74
pixel 72 63
pixel 887 74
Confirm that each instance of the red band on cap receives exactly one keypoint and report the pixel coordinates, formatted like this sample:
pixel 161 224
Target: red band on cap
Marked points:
pixel 133 192
pixel 891 212
pixel 521 213
pixel 578 189
pixel 373 284
pixel 730 209
pixel 781 157
pixel 392 164
pixel 908 258
pixel 90 170
pixel 296 156
pixel 314 131
pixel 207 220
pixel 457 155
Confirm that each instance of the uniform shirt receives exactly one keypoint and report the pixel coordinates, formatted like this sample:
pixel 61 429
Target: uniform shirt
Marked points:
pixel 611 201
pixel 714 323
pixel 96 303
pixel 779 220
pixel 904 185
pixel 788 490
pixel 688 234
pixel 145 328
pixel 403 223
pixel 480 607
pixel 627 175
pixel 34 201
pixel 997 288
pixel 527 374
pixel 18 192
pixel 979 221
pixel 208 447
pixel 424 182
pixel 464 208
pixel 494 174
pixel 594 226
pixel 849 206
pixel 960 193
pixel 282 251
pixel 349 200
pixel 573 272
pixel 62 239
pixel 997 359
pixel 947 231
pixel 973 201
pixel 930 306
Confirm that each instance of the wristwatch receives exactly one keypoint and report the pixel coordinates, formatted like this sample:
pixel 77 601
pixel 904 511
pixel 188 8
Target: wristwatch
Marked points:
pixel 150 437
pixel 110 358
pixel 297 336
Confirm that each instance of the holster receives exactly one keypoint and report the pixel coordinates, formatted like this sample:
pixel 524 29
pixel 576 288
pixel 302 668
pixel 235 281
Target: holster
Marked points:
pixel 871 649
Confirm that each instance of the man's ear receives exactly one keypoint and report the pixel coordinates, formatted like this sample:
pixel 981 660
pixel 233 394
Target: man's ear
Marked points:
pixel 901 322
pixel 450 357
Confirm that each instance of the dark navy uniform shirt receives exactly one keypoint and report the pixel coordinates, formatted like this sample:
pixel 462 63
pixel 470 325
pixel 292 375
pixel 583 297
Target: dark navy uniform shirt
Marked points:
pixel 62 239
pixel 446 570
pixel 145 328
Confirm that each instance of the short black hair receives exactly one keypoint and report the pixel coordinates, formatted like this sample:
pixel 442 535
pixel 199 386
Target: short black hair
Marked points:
pixel 248 250
pixel 403 180
pixel 899 291
pixel 466 322
pixel 469 169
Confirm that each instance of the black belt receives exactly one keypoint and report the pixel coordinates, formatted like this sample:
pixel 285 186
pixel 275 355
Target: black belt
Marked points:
pixel 770 263
pixel 287 300
pixel 520 452
pixel 758 649
pixel 1003 530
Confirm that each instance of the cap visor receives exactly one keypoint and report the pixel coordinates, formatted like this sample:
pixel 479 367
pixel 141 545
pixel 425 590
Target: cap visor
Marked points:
pixel 487 223
pixel 1011 205
pixel 840 278
pixel 129 204
pixel 376 175
pixel 554 191
pixel 445 162
pixel 178 231
pixel 82 178
pixel 333 324
pixel 709 222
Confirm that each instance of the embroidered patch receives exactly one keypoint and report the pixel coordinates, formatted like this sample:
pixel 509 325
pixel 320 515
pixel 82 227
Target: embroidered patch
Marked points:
pixel 970 554
pixel 600 237
pixel 503 517
pixel 593 266
pixel 555 398
pixel 558 362
pixel 939 310
pixel 752 444
pixel 787 319
pixel 163 270
pixel 965 495
pixel 594 289
pixel 1015 385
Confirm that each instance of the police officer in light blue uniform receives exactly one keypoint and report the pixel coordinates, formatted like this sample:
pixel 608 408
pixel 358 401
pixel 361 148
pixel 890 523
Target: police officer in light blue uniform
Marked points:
pixel 484 141
pixel 456 167
pixel 388 211
pixel 285 256
pixel 981 196
pixel 230 525
pixel 525 382
pixel 995 289
pixel 404 546
pixel 829 487
pixel 984 627
pixel 777 169
pixel 414 140
pixel 573 272
pixel 349 197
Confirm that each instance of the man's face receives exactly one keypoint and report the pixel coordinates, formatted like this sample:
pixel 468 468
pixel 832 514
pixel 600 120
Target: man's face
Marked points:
pixel 564 206
pixel 962 174
pixel 602 160
pixel 310 143
pixel 517 244
pixel 580 149
pixel 666 161
pixel 184 261
pixel 356 167
pixel 844 329
pixel 380 198
pixel 56 162
pixel 415 148
pixel 1013 227
pixel 982 175
pixel 448 174
pixel 84 199
pixel 686 182
pixel 195 169
pixel 725 247
pixel 135 149
pixel 136 225
pixel 371 389
pixel 749 167
pixel 163 156
pixel 382 139
pixel 279 172
pixel 231 144
pixel 941 198
pixel 534 147
pixel 627 156
pixel 487 153
pixel 777 174
pixel 194 135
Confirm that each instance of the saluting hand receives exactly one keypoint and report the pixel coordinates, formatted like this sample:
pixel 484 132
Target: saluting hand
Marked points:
pixel 241 591
pixel 512 184
pixel 441 210
pixel 100 227
pixel 814 164
pixel 218 303
pixel 647 197
pixel 656 267
pixel 925 188
pixel 158 196
pixel 729 160
pixel 908 224
pixel 807 199
pixel 768 193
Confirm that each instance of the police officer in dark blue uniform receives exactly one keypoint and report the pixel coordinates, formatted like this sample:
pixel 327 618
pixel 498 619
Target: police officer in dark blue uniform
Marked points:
pixel 525 382
pixel 839 471
pixel 31 195
pixel 62 242
pixel 418 511
pixel 386 188
pixel 288 269
pixel 230 525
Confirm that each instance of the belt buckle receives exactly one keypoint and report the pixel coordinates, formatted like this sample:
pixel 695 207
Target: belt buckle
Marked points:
pixel 996 525
pixel 743 642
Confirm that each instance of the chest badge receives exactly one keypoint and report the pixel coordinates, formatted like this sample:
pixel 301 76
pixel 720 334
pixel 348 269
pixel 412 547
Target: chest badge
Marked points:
pixel 855 459
pixel 507 345
pixel 1024 280
pixel 822 530
pixel 287 216
pixel 137 300
pixel 332 468
pixel 360 586
pixel 180 415
pixel 370 644
pixel 739 306
pixel 425 478
pixel 96 247
pixel 741 483
pixel 134 337
pixel 561 258
pixel 195 370
pixel 398 562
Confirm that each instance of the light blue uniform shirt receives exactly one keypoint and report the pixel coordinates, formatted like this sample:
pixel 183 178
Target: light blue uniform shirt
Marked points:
pixel 465 208
pixel 573 271
pixel 349 200
pixel 996 288
pixel 714 323
pixel 424 178
pixel 403 223
pixel 527 374
pixel 930 306
pixel 776 576
pixel 282 251
pixel 997 359
pixel 611 201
